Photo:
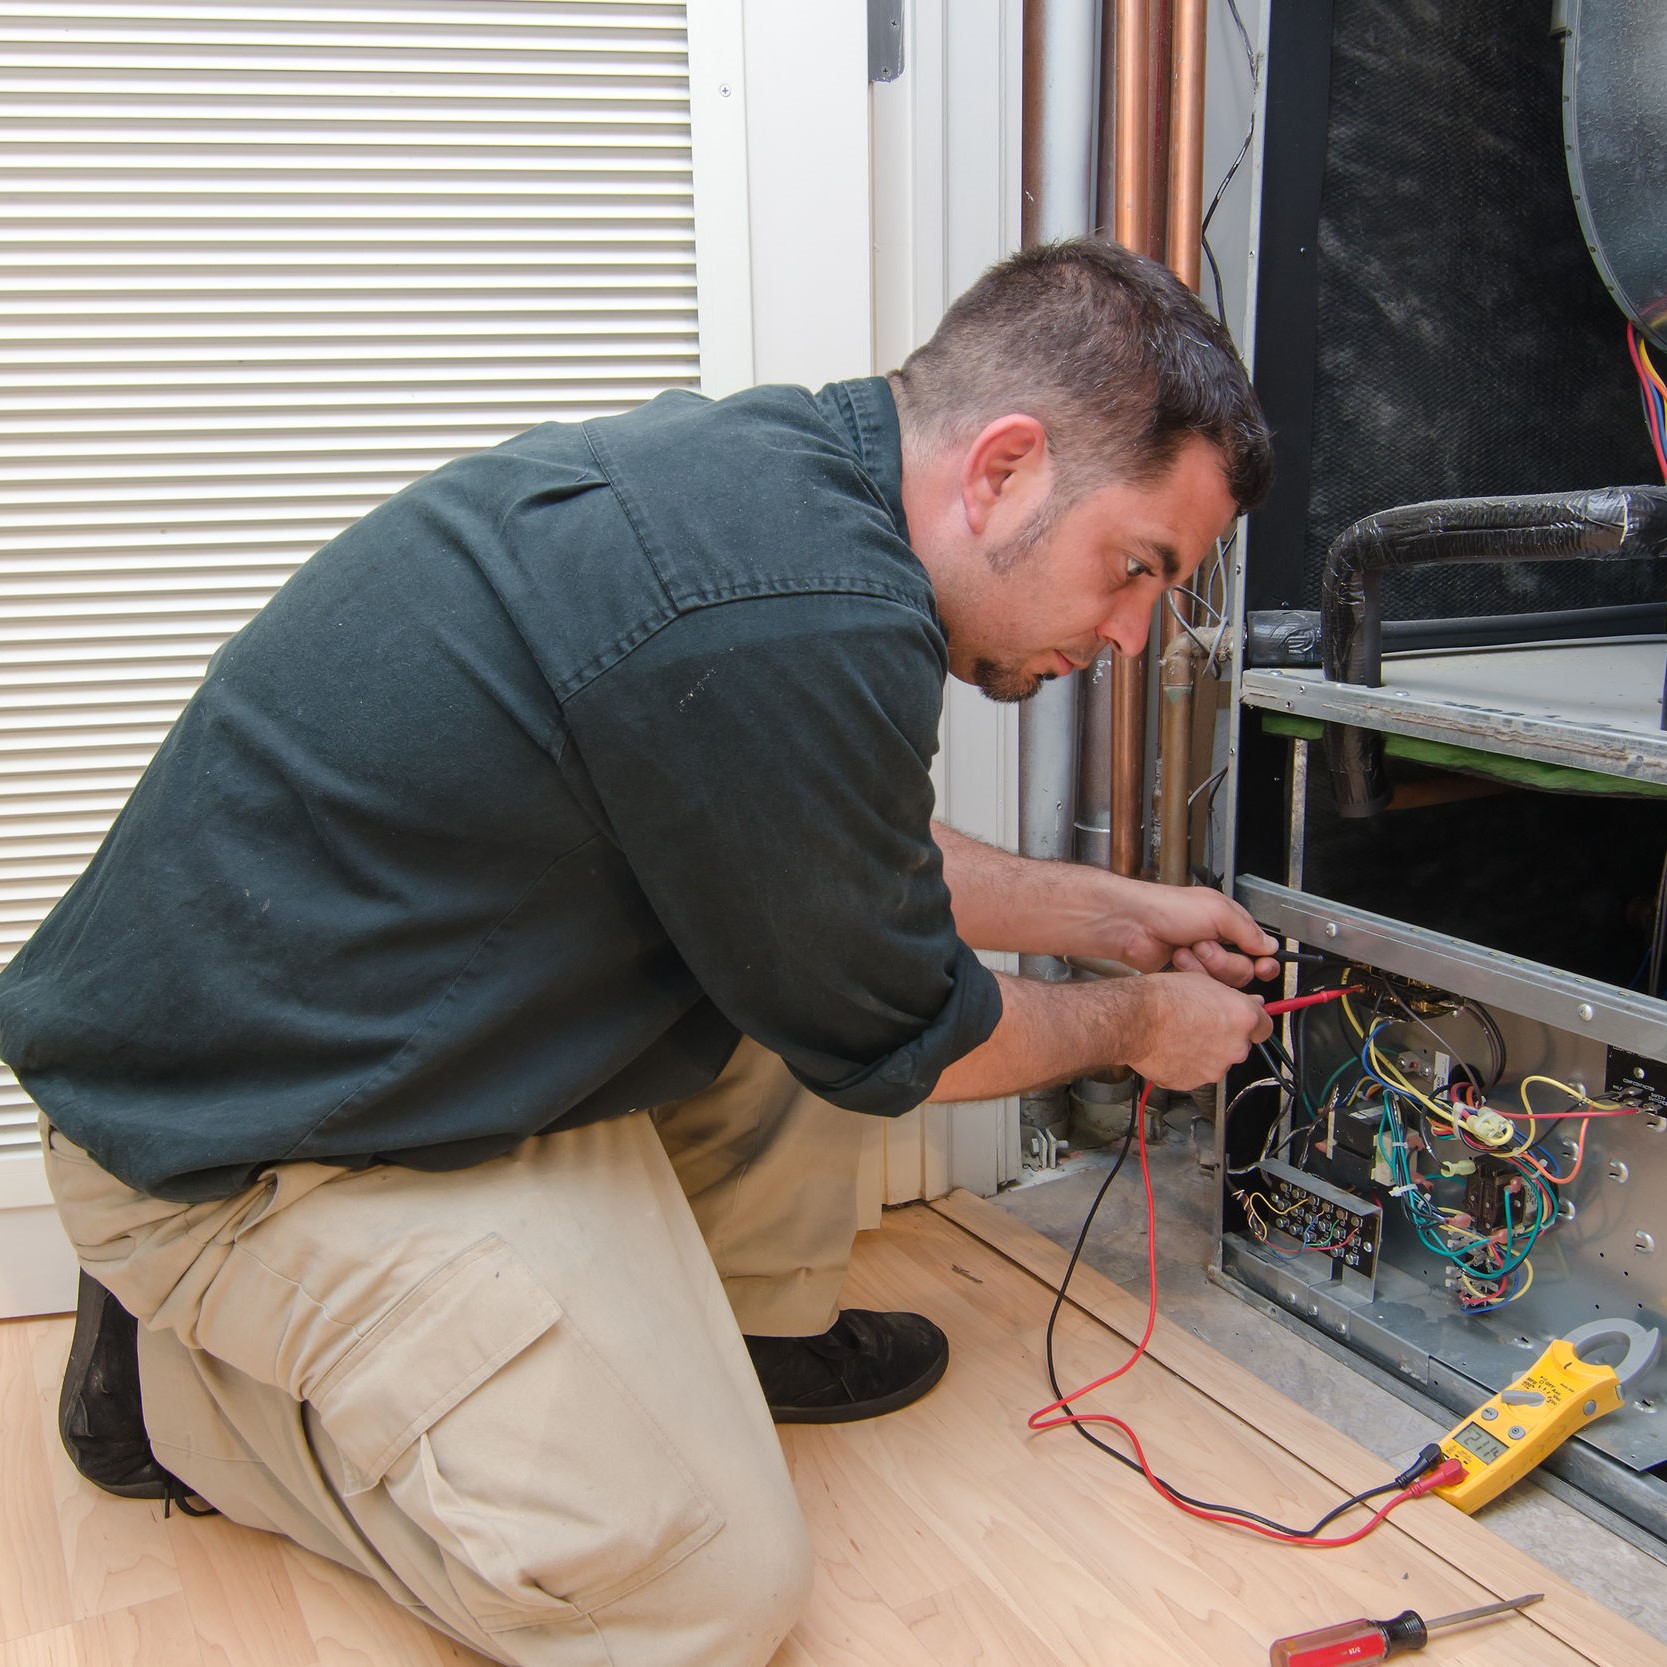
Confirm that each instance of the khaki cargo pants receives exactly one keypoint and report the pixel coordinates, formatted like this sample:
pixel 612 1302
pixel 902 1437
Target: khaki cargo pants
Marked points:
pixel 516 1395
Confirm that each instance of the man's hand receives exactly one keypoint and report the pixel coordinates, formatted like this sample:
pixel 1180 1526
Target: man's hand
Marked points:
pixel 1192 1029
pixel 1178 1028
pixel 1188 927
pixel 1062 908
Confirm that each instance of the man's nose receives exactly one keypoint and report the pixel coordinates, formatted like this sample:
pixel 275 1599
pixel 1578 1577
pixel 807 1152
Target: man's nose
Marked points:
pixel 1128 626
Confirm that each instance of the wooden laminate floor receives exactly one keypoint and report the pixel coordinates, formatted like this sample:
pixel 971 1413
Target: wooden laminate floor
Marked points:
pixel 945 1533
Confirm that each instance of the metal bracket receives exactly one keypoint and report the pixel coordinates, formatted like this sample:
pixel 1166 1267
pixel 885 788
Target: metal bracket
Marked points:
pixel 885 39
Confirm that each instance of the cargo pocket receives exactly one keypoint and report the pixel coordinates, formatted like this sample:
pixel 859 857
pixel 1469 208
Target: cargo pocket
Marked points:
pixel 502 1435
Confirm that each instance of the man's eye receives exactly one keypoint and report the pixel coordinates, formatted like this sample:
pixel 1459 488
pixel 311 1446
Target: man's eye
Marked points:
pixel 1136 569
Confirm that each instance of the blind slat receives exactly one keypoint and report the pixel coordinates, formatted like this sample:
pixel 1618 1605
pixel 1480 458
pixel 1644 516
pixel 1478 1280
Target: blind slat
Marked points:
pixel 265 262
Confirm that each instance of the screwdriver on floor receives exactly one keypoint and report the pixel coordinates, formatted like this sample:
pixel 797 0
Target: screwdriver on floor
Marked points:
pixel 1356 1641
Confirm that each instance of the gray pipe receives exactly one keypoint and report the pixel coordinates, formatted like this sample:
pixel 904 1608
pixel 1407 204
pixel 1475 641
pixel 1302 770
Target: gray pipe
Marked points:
pixel 1061 104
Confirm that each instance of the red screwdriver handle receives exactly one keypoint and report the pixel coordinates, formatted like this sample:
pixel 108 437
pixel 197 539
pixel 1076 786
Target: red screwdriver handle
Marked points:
pixel 1334 1646
pixel 1351 1641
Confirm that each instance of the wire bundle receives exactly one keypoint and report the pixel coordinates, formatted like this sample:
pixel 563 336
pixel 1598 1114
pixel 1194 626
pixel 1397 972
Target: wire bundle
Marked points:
pixel 1654 392
pixel 1491 1268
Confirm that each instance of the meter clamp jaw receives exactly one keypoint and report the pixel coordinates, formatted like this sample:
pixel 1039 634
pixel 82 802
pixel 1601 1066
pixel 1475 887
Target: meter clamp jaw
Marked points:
pixel 1560 1394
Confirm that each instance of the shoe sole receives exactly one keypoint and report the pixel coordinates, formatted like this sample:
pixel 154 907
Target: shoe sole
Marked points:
pixel 853 1411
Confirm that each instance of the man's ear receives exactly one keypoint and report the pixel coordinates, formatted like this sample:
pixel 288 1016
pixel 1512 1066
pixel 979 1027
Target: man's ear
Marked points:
pixel 1007 465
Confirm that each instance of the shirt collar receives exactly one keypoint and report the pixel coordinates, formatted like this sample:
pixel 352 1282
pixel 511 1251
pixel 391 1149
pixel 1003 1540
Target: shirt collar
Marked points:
pixel 865 410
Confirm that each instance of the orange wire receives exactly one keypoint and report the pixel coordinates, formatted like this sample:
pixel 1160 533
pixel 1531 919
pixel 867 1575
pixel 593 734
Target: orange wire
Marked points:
pixel 1649 367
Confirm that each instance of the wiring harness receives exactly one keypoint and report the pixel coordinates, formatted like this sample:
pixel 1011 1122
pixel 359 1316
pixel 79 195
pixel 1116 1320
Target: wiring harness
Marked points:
pixel 1431 1141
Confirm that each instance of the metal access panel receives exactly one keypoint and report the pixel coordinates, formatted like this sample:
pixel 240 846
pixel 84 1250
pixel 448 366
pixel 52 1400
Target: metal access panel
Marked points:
pixel 1601 1250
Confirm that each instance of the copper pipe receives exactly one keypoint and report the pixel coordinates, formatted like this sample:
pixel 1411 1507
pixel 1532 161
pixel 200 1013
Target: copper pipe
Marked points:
pixel 1033 78
pixel 1160 77
pixel 1186 144
pixel 1130 126
pixel 1131 205
pixel 1177 678
pixel 1186 181
pixel 1178 672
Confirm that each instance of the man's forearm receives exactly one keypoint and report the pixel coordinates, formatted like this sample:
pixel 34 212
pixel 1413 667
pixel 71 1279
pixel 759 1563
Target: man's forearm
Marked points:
pixel 1179 1029
pixel 1018 903
pixel 1048 1033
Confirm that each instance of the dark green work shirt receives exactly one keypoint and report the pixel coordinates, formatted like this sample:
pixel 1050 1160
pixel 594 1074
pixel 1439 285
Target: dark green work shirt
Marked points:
pixel 517 803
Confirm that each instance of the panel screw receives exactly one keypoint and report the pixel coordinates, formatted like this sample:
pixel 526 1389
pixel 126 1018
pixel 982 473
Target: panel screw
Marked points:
pixel 1618 1171
pixel 1584 1011
pixel 1331 928
pixel 1643 1242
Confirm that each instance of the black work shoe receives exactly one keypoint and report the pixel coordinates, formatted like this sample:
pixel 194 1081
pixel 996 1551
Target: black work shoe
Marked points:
pixel 863 1365
pixel 100 1416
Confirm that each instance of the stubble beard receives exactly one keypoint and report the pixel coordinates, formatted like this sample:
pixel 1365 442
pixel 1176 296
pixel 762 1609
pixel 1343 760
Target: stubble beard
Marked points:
pixel 1005 680
pixel 1008 684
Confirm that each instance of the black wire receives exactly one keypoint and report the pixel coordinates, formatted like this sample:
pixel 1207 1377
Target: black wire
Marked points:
pixel 1238 162
pixel 1386 991
pixel 1278 1063
pixel 1122 1458
pixel 1496 1043
pixel 1658 943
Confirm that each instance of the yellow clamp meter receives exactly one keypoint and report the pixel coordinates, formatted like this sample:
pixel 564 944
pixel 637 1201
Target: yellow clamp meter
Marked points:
pixel 1563 1392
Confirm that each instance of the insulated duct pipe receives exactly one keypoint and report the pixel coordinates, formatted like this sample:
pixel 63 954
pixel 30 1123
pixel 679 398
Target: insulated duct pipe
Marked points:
pixel 1612 523
pixel 1057 161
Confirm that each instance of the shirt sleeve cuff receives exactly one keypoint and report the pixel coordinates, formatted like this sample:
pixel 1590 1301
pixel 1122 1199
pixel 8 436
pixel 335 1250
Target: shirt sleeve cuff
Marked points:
pixel 899 1081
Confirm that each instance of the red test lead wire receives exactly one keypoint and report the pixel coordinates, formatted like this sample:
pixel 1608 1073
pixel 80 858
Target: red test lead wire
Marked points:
pixel 1044 1418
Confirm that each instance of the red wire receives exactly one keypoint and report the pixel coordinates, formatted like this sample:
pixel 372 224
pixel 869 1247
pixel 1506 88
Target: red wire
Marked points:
pixel 1421 1486
pixel 1649 398
pixel 1033 1422
pixel 1041 1419
pixel 1560 1116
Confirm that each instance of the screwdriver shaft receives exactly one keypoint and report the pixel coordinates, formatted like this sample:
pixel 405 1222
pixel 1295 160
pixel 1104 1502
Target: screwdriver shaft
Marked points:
pixel 1485 1610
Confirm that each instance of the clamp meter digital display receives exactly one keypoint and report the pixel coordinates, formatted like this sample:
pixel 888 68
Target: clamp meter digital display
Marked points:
pixel 1509 1434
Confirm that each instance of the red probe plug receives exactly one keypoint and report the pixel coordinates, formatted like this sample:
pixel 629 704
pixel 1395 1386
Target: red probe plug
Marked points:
pixel 1363 1641
pixel 1289 1004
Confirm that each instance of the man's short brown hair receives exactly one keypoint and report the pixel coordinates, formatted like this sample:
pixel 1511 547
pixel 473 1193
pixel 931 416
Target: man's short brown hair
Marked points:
pixel 1110 352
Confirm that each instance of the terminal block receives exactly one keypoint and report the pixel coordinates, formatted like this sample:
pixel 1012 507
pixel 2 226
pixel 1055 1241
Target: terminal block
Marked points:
pixel 1324 1218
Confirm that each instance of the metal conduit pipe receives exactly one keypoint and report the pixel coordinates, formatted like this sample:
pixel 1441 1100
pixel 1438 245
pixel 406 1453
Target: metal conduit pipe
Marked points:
pixel 1181 661
pixel 1057 160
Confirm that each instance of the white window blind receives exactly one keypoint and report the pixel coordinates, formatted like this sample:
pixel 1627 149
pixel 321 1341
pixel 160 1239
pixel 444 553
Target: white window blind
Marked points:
pixel 261 264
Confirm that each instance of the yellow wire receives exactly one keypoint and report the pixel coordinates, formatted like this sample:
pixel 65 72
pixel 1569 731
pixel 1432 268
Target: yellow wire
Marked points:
pixel 1385 1069
pixel 1573 1094
pixel 1348 1010
pixel 1654 374
pixel 1526 1269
